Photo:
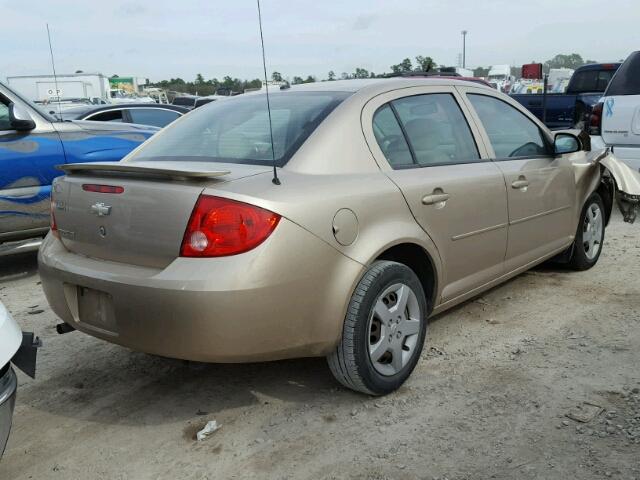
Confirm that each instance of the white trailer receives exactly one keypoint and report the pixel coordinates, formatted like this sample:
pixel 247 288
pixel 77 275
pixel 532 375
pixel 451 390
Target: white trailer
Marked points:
pixel 76 85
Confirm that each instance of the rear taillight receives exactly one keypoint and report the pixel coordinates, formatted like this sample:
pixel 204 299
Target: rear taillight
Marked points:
pixel 595 119
pixel 54 225
pixel 219 227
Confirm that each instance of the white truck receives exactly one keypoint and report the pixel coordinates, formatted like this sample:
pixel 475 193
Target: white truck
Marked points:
pixel 615 120
pixel 46 88
pixel 500 77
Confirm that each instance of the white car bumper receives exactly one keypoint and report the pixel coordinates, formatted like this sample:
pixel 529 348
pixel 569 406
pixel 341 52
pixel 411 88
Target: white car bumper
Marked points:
pixel 628 154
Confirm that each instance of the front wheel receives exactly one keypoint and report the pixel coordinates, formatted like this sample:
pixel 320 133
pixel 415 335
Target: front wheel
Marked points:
pixel 383 332
pixel 590 235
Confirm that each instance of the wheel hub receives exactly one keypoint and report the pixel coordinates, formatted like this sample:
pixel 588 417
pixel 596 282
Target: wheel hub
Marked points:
pixel 394 326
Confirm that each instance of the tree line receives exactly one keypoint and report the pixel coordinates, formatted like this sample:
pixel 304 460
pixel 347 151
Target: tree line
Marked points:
pixel 202 86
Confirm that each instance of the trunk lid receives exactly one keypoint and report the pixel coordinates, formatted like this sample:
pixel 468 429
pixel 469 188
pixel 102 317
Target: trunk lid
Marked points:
pixel 144 225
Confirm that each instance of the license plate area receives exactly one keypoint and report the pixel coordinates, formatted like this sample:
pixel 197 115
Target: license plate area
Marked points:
pixel 95 308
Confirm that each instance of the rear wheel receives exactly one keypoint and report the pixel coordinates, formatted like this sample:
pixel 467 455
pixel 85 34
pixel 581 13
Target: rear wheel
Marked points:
pixel 383 332
pixel 590 235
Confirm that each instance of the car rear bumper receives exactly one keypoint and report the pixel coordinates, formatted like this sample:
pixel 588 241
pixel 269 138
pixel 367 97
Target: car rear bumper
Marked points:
pixel 286 298
pixel 8 386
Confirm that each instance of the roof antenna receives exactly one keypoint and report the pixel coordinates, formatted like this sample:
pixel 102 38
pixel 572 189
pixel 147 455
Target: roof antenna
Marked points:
pixel 275 180
pixel 55 77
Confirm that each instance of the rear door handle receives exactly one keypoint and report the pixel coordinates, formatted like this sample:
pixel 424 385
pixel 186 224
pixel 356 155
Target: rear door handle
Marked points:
pixel 520 184
pixel 435 198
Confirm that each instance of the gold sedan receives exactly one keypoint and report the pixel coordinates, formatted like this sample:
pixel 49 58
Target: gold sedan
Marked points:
pixel 395 199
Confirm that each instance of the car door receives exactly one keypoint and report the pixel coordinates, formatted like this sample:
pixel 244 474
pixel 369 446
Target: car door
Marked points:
pixel 27 168
pixel 424 144
pixel 540 185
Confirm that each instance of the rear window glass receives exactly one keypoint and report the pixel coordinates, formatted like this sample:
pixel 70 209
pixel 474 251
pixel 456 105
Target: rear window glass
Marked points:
pixel 184 101
pixel 590 81
pixel 237 130
pixel 627 78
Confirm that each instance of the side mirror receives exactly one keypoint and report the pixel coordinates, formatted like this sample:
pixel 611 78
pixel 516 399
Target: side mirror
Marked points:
pixel 20 118
pixel 566 143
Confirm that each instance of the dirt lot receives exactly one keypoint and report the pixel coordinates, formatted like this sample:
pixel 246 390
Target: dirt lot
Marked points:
pixel 488 400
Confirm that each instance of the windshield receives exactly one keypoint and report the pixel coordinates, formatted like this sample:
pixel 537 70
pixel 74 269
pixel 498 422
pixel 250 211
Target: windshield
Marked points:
pixel 237 130
pixel 627 79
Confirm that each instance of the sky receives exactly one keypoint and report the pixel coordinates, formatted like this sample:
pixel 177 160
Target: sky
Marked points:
pixel 167 39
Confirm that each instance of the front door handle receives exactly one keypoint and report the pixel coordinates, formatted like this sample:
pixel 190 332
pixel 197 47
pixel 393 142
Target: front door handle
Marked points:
pixel 520 184
pixel 435 198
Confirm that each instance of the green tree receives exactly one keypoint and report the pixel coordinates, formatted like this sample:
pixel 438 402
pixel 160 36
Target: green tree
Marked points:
pixel 572 60
pixel 425 64
pixel 481 72
pixel 276 76
pixel 309 79
pixel 404 66
pixel 297 80
pixel 361 73
pixel 199 79
pixel 331 75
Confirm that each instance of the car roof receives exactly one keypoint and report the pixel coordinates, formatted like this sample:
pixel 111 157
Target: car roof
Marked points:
pixel 599 66
pixel 120 106
pixel 373 85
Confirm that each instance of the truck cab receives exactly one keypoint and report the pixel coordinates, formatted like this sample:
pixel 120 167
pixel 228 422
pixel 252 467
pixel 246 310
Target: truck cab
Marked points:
pixel 33 144
pixel 571 108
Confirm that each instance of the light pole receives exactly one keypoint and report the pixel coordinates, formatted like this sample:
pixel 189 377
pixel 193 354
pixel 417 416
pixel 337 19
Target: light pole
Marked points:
pixel 464 48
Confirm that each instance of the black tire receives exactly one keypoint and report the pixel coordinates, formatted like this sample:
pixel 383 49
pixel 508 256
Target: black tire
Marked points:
pixel 350 363
pixel 580 258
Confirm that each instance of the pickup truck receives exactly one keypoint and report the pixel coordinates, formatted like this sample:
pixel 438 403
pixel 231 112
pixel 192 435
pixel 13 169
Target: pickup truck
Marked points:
pixel 32 144
pixel 569 110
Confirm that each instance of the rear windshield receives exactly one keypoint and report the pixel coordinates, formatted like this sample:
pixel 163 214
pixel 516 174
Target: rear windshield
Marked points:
pixel 627 78
pixel 237 130
pixel 587 81
pixel 188 101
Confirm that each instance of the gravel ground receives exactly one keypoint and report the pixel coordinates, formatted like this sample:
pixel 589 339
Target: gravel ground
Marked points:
pixel 496 395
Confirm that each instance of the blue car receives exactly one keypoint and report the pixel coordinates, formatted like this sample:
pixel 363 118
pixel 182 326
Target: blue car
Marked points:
pixel 32 143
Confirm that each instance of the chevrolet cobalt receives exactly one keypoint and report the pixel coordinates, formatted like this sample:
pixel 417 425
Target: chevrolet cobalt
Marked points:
pixel 395 199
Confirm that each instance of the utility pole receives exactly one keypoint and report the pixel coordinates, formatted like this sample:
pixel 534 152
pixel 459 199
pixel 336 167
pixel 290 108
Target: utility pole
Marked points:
pixel 464 48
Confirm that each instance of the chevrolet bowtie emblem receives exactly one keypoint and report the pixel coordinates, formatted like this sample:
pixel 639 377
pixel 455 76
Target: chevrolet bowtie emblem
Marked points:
pixel 100 209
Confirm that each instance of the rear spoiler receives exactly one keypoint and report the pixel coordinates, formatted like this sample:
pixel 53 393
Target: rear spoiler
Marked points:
pixel 139 170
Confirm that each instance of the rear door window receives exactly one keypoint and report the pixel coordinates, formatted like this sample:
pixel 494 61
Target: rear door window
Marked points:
pixel 390 138
pixel 157 117
pixel 111 116
pixel 627 79
pixel 512 134
pixel 436 129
